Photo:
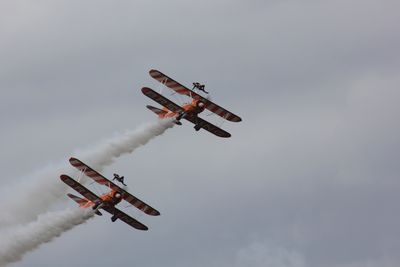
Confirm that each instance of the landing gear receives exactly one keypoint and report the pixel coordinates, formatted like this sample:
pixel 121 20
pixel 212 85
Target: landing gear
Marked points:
pixel 96 206
pixel 114 218
pixel 180 116
pixel 197 127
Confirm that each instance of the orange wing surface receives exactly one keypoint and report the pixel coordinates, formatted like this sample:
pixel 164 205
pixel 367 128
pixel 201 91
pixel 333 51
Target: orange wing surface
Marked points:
pixel 100 179
pixel 180 89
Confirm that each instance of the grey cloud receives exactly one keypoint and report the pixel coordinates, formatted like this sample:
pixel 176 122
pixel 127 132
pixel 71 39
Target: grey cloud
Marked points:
pixel 312 169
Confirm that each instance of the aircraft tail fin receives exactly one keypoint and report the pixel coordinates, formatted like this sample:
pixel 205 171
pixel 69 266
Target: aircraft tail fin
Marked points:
pixel 80 201
pixel 157 111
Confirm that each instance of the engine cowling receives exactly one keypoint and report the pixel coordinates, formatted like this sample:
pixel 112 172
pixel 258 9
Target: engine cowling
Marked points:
pixel 117 195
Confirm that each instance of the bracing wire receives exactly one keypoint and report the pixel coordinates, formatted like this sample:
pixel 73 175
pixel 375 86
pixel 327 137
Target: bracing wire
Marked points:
pixel 178 97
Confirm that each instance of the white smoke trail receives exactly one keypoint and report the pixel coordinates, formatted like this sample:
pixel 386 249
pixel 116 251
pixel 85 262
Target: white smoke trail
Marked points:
pixel 19 240
pixel 24 229
pixel 22 203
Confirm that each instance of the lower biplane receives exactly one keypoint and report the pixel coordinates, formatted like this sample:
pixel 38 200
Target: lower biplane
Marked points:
pixel 189 111
pixel 107 201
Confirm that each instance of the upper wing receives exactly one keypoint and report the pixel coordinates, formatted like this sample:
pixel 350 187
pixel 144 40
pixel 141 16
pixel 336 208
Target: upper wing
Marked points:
pixel 220 111
pixel 179 88
pixel 171 83
pixel 126 218
pixel 161 99
pixel 97 177
pixel 208 126
pixel 139 204
pixel 80 188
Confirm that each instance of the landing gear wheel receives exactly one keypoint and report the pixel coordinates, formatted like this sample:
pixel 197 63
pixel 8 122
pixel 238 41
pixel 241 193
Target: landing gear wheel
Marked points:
pixel 114 218
pixel 197 127
pixel 181 115
pixel 98 213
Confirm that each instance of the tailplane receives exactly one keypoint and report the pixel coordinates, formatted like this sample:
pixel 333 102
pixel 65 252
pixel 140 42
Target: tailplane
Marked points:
pixel 157 111
pixel 161 113
pixel 80 201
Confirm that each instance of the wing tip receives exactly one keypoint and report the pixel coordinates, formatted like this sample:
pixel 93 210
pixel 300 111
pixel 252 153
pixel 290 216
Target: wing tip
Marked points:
pixel 235 118
pixel 146 89
pixel 153 71
pixel 64 177
pixel 225 136
pixel 156 213
pixel 73 159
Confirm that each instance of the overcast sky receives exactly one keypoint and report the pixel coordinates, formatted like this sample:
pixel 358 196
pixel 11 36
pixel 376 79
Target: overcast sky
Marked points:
pixel 310 177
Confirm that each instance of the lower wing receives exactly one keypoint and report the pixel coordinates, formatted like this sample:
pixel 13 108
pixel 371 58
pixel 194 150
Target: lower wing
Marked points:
pixel 125 218
pixel 208 126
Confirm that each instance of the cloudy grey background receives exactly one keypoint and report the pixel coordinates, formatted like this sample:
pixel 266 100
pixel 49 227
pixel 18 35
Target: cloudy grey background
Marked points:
pixel 309 178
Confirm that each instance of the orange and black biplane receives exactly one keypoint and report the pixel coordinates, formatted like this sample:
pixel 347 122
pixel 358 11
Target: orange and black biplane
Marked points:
pixel 189 111
pixel 106 201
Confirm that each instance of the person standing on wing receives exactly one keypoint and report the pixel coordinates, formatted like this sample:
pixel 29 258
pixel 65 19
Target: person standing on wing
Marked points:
pixel 199 86
pixel 119 179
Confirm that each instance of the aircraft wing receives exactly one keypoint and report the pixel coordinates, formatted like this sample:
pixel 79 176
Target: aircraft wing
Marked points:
pixel 125 218
pixel 100 179
pixel 161 100
pixel 180 89
pixel 171 83
pixel 208 126
pixel 139 204
pixel 220 111
pixel 80 188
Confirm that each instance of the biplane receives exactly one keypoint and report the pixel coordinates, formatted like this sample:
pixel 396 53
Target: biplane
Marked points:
pixel 107 201
pixel 188 111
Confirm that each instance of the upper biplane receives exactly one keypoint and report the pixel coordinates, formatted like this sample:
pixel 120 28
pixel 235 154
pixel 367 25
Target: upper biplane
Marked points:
pixel 188 111
pixel 107 201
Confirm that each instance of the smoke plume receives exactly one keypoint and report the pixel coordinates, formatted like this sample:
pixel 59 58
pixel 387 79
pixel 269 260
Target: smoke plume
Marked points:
pixel 35 194
pixel 24 225
pixel 19 240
